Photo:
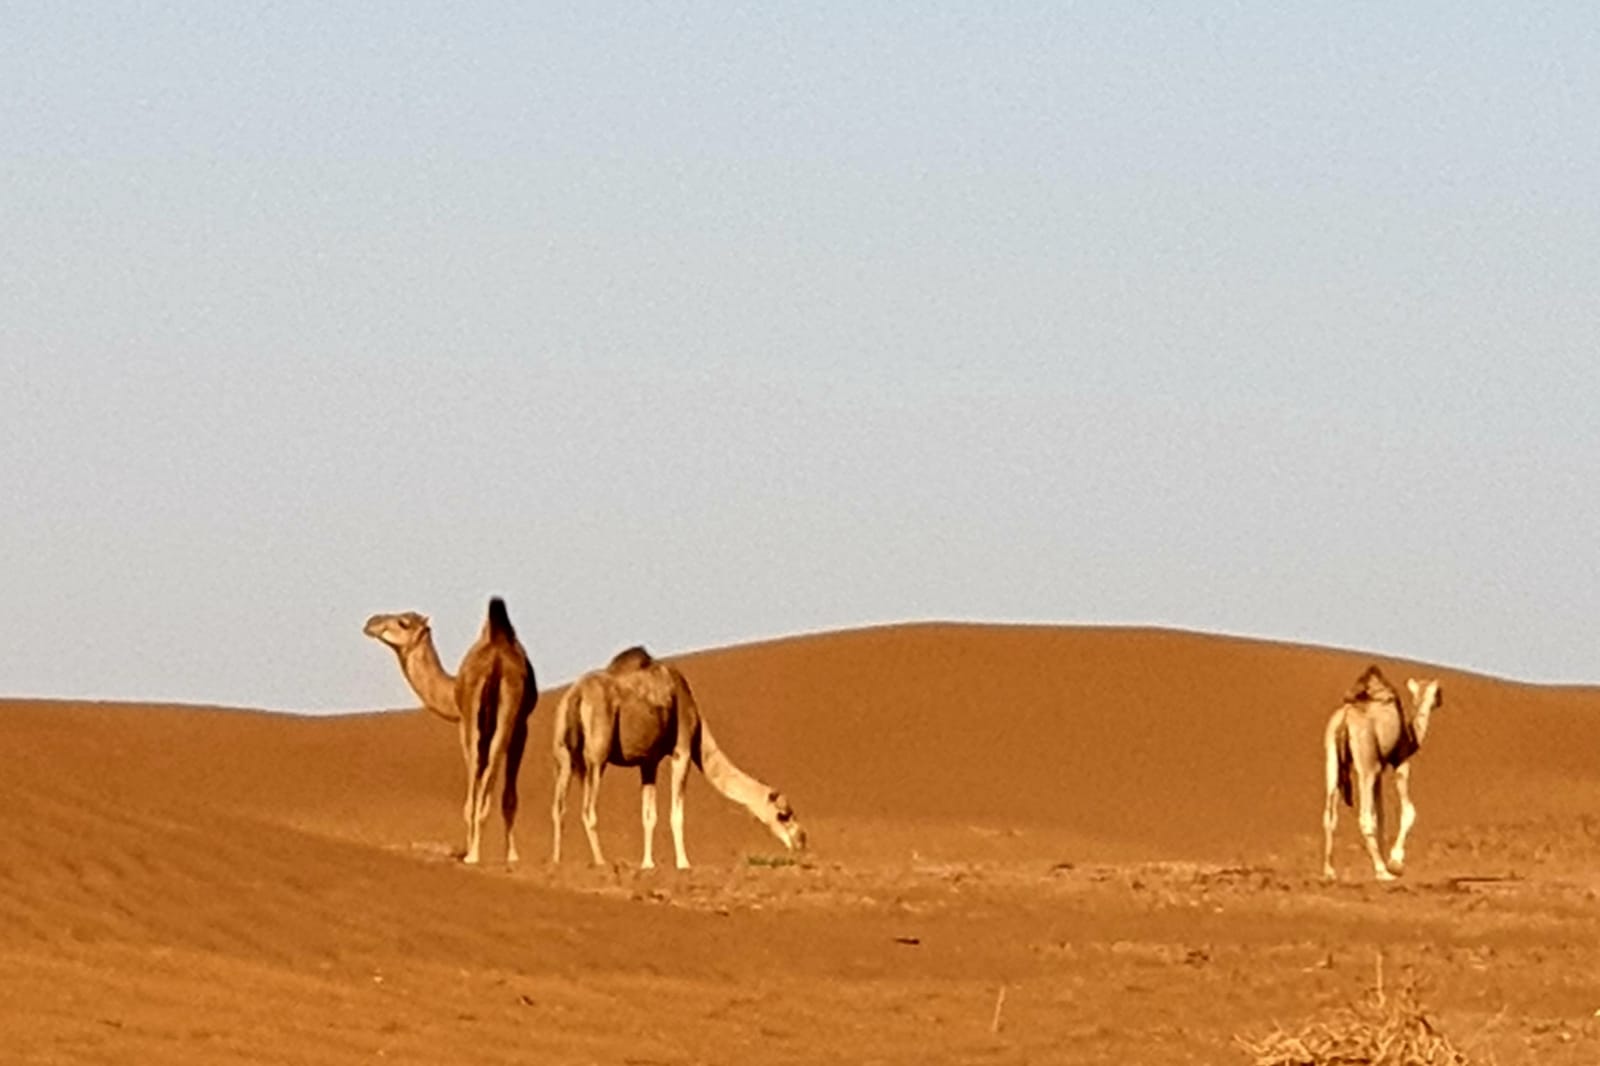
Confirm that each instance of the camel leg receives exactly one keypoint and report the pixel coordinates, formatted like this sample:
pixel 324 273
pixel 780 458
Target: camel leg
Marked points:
pixel 469 758
pixel 1330 809
pixel 508 797
pixel 1370 787
pixel 597 731
pixel 474 826
pixel 558 804
pixel 591 810
pixel 1408 817
pixel 680 779
pixel 482 796
pixel 1330 822
pixel 468 809
pixel 647 812
pixel 483 793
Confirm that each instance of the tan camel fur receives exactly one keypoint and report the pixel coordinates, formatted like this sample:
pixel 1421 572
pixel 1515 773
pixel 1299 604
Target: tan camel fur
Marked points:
pixel 411 638
pixel 640 712
pixel 495 695
pixel 1369 734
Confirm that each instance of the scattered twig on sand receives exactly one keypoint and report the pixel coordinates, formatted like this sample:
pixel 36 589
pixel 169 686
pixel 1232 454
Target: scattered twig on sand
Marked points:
pixel 999 1005
pixel 1383 1029
pixel 1484 882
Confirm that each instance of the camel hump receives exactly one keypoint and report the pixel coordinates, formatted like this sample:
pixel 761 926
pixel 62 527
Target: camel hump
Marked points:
pixel 1371 687
pixel 634 658
pixel 500 622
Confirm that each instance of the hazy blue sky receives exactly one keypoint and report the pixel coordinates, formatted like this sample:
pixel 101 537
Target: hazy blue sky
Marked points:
pixel 707 323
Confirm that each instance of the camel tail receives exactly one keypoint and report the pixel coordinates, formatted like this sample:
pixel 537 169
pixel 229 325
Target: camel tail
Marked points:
pixel 488 712
pixel 1341 743
pixel 500 628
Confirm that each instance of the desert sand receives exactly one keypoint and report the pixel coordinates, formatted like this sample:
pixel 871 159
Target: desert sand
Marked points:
pixel 1029 844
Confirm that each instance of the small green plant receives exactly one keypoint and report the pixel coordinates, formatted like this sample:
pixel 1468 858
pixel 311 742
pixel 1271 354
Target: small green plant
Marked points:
pixel 771 862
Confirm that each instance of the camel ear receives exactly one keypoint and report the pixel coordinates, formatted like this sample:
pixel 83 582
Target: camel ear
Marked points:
pixel 1415 686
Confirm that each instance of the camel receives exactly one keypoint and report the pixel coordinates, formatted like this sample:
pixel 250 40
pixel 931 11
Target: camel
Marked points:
pixel 485 753
pixel 495 695
pixel 640 712
pixel 1370 733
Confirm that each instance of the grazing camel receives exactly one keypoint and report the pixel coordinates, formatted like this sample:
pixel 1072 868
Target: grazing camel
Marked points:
pixel 1370 733
pixel 640 712
pixel 411 637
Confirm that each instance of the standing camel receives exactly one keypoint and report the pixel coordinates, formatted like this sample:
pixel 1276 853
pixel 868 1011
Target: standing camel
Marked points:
pixel 495 694
pixel 640 712
pixel 1370 733
pixel 494 729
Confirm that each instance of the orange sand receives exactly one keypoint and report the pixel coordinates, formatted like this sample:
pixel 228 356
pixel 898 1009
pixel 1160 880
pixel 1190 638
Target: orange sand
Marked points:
pixel 1119 827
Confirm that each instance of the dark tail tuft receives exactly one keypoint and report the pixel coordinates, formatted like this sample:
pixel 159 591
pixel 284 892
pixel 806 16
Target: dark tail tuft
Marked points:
pixel 500 621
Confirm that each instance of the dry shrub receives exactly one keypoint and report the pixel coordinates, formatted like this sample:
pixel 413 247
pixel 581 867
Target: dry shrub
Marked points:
pixel 1380 1030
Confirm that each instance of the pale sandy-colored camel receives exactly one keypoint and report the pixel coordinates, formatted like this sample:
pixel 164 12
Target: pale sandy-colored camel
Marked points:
pixel 411 637
pixel 1371 732
pixel 640 712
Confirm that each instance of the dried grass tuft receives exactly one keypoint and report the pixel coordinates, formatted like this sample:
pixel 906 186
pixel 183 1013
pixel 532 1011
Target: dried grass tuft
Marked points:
pixel 1381 1030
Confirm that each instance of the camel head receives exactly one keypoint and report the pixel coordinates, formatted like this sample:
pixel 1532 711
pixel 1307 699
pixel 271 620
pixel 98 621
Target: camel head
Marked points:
pixel 400 631
pixel 778 816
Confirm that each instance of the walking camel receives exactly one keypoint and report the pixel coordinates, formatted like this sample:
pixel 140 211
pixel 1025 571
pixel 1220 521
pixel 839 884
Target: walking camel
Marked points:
pixel 491 700
pixel 1370 733
pixel 640 712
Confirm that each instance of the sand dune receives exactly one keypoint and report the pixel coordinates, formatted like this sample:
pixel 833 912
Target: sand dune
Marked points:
pixel 201 885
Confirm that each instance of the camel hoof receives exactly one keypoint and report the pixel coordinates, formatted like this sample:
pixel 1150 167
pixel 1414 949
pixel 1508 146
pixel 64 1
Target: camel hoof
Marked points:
pixel 1385 875
pixel 1328 875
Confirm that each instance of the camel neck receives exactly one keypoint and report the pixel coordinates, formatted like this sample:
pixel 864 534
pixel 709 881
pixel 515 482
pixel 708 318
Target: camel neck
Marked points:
pixel 731 781
pixel 427 677
pixel 1419 720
